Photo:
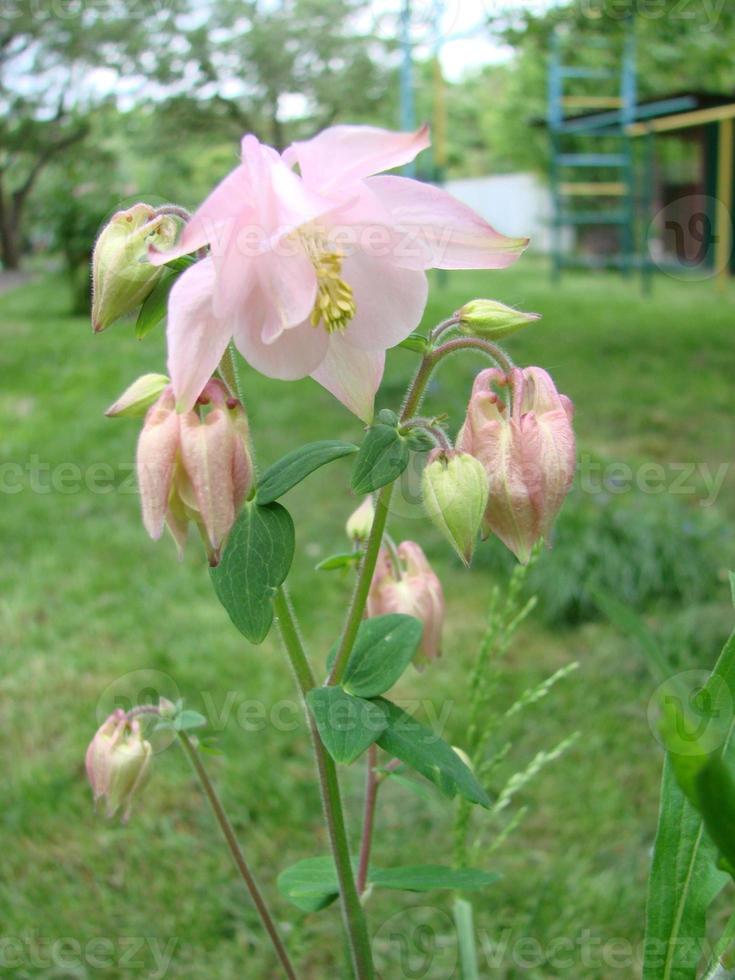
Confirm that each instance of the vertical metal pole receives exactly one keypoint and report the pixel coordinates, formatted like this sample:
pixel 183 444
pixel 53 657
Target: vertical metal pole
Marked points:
pixel 628 99
pixel 723 219
pixel 646 212
pixel 554 121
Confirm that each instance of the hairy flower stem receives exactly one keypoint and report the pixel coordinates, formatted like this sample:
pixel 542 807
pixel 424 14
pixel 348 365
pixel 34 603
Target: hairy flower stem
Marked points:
pixel 352 911
pixel 371 799
pixel 411 405
pixel 237 856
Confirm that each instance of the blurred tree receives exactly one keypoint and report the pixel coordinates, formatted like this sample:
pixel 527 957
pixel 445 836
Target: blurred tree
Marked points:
pixel 56 61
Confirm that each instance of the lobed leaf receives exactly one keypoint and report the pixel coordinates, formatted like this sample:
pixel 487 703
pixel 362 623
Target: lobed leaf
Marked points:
pixel 255 562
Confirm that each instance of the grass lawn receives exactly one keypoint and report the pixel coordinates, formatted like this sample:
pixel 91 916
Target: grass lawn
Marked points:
pixel 93 610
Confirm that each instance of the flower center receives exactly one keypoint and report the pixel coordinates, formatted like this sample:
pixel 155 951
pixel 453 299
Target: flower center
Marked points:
pixel 335 301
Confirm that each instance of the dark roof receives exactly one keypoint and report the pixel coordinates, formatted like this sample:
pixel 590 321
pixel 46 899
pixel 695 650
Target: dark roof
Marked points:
pixel 650 108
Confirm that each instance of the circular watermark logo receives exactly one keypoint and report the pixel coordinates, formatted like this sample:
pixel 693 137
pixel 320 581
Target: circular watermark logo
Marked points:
pixel 690 713
pixel 419 943
pixel 683 238
pixel 139 687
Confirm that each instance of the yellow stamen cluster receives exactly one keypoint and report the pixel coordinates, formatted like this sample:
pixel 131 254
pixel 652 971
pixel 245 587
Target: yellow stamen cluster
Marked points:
pixel 335 302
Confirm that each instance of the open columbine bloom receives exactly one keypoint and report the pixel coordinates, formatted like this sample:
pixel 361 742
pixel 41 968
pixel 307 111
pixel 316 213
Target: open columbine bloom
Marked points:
pixel 318 270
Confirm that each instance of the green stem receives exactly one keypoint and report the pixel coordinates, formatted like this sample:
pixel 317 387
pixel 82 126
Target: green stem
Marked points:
pixel 237 856
pixel 362 587
pixel 352 911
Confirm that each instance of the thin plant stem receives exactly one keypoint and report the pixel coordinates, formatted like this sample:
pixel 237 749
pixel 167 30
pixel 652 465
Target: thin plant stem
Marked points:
pixel 366 571
pixel 352 911
pixel 368 824
pixel 237 856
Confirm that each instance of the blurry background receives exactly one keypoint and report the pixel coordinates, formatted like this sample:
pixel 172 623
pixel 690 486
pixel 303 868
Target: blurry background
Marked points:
pixel 105 103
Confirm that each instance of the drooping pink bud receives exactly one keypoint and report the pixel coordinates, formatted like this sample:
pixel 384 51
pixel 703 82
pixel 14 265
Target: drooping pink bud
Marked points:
pixel 529 455
pixel 118 763
pixel 194 468
pixel 407 584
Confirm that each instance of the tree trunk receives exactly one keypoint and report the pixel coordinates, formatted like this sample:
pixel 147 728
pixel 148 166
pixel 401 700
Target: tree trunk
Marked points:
pixel 9 233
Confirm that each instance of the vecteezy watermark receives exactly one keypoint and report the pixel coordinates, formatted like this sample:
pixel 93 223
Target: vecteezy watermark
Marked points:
pixel 701 14
pixel 683 237
pixel 676 479
pixel 698 707
pixel 66 478
pixel 144 955
pixel 421 943
pixel 698 480
pixel 253 715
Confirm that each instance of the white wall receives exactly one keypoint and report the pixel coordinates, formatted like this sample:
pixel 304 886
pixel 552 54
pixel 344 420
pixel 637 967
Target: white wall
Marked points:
pixel 514 204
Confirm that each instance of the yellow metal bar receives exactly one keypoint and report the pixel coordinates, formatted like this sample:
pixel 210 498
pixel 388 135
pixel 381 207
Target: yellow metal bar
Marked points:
pixel 723 221
pixel 592 102
pixel 697 117
pixel 581 189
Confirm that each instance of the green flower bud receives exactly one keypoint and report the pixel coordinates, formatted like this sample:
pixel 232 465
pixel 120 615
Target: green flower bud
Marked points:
pixel 455 490
pixel 122 276
pixel 492 320
pixel 138 398
pixel 361 520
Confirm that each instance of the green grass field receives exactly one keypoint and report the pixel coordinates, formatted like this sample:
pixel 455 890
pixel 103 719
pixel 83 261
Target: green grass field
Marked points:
pixel 92 609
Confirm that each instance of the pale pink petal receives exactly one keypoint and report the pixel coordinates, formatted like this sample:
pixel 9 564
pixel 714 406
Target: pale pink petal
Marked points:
pixel 206 453
pixel 283 201
pixel 288 282
pixel 212 221
pixel 389 301
pixel 294 354
pixel 351 375
pixel 452 235
pixel 343 154
pixel 158 444
pixel 197 338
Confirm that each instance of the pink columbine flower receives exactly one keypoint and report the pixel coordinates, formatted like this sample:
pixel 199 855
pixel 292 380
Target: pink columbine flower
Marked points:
pixel 529 455
pixel 318 271
pixel 118 763
pixel 194 469
pixel 410 586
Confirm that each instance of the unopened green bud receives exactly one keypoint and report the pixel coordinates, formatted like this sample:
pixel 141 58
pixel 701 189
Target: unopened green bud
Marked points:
pixel 122 276
pixel 455 490
pixel 492 320
pixel 360 521
pixel 138 398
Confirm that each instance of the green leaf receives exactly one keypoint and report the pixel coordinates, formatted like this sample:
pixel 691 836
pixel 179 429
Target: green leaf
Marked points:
pixel 310 884
pixel 295 466
pixel 189 719
pixel 415 342
pixel 716 795
pixel 347 725
pixel 154 307
pixel 684 878
pixel 342 560
pixel 420 789
pixel 384 647
pixel 429 755
pixel 683 883
pixel 255 562
pixel 383 456
pixel 427 877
